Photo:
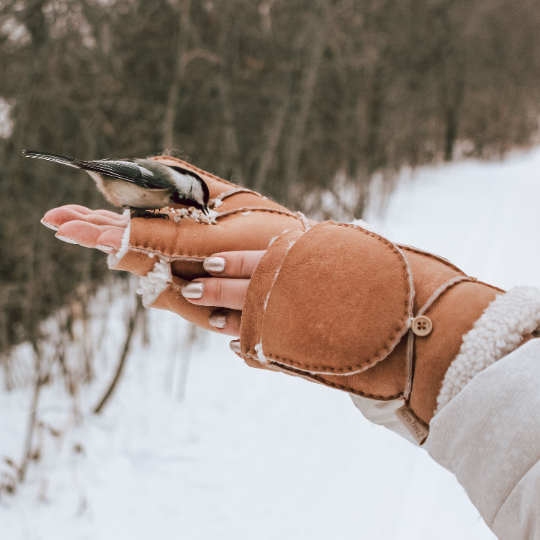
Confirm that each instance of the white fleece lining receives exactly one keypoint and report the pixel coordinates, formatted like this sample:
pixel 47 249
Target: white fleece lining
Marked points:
pixel 114 258
pixel 498 332
pixel 155 282
pixel 260 355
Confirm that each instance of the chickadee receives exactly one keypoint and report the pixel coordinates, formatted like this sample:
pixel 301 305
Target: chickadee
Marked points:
pixel 139 184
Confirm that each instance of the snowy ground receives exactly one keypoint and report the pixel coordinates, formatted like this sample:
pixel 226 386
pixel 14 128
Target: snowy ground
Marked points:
pixel 250 454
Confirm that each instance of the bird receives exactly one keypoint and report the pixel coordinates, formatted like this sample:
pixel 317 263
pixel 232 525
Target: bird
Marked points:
pixel 139 184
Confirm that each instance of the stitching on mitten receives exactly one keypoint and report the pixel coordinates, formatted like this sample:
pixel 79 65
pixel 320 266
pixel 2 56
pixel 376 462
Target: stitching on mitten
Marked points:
pixel 404 322
pixel 197 258
pixel 169 258
pixel 446 262
pixel 227 194
pixel 411 356
pixel 490 286
pixel 343 387
pixel 305 221
pixel 257 209
pixel 418 251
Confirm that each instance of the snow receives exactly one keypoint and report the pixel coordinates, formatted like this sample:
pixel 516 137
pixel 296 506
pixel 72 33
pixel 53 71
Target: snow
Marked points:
pixel 249 453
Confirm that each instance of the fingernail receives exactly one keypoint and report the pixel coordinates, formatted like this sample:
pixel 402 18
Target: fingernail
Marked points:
pixel 50 225
pixel 235 346
pixel 193 290
pixel 218 319
pixel 103 247
pixel 66 239
pixel 214 265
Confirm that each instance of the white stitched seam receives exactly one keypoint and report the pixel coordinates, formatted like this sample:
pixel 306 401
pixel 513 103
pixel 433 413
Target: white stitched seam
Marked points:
pixel 410 338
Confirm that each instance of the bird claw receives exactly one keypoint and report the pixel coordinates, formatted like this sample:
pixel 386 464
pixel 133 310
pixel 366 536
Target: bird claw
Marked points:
pixel 147 214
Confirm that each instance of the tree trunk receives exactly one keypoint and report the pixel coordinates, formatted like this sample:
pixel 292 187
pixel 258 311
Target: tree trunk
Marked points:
pixel 319 31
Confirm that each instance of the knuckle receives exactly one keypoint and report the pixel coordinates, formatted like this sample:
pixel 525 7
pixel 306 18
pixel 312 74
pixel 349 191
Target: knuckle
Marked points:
pixel 233 321
pixel 242 263
pixel 217 291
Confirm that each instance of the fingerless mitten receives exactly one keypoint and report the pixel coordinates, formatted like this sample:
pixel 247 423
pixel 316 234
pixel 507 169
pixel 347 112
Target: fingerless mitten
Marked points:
pixel 347 308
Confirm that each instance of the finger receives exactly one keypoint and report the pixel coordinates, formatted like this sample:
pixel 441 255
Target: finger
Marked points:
pixel 111 240
pixel 218 292
pixel 95 218
pixel 84 210
pixel 234 264
pixel 86 234
pixel 236 348
pixel 226 321
pixel 58 216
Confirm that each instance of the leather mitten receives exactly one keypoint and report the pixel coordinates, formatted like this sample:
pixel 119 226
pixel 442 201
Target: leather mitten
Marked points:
pixel 345 307
pixel 168 252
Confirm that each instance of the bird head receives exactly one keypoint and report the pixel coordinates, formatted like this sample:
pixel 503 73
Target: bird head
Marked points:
pixel 199 192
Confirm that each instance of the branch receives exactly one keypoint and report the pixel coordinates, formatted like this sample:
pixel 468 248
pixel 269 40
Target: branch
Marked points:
pixel 131 329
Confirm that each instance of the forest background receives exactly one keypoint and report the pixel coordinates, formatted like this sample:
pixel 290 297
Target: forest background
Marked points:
pixel 298 99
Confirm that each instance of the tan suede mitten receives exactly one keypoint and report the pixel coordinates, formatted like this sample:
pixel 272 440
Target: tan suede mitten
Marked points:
pixel 344 307
pixel 167 252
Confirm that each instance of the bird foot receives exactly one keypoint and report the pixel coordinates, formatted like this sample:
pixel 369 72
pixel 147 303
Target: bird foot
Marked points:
pixel 147 214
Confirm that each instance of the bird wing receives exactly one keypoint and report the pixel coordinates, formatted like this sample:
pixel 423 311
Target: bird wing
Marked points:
pixel 126 170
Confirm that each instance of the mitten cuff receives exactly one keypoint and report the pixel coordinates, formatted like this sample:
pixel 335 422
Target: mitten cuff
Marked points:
pixel 498 332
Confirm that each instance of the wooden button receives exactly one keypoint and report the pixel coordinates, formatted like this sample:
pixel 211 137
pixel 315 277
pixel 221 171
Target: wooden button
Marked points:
pixel 422 326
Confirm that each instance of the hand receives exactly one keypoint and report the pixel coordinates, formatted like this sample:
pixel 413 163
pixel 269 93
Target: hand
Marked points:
pixel 76 224
pixel 104 230
pixel 227 291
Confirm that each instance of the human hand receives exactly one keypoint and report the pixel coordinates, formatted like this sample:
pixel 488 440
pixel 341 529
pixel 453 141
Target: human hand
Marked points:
pixel 103 230
pixel 76 224
pixel 227 291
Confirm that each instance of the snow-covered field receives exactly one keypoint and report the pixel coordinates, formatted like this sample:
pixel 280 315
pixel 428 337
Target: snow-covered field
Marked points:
pixel 249 454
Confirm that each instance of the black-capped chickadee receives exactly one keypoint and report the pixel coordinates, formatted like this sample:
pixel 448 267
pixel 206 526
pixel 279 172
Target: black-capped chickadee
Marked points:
pixel 139 184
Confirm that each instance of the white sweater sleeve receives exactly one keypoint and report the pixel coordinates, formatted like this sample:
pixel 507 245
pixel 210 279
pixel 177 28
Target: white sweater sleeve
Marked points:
pixel 489 437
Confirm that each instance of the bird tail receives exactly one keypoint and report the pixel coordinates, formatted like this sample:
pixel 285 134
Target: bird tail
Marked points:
pixel 71 162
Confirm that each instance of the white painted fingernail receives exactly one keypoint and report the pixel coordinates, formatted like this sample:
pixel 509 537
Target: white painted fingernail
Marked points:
pixel 214 265
pixel 50 225
pixel 193 290
pixel 103 247
pixel 66 239
pixel 235 346
pixel 218 319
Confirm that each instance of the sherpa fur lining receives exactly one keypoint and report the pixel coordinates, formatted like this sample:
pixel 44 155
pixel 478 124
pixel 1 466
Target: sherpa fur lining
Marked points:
pixel 498 332
pixel 114 258
pixel 155 282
